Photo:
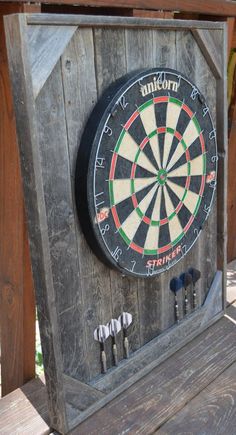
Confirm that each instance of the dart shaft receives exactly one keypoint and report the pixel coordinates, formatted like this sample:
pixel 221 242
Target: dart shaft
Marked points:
pixel 176 310
pixel 103 361
pixel 194 299
pixel 126 347
pixel 185 302
pixel 114 352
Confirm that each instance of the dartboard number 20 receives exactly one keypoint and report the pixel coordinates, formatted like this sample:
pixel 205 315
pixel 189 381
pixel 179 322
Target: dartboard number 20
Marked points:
pixel 146 172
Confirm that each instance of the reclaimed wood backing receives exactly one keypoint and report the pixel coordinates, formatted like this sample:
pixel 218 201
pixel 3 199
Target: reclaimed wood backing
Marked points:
pixel 75 291
pixel 62 111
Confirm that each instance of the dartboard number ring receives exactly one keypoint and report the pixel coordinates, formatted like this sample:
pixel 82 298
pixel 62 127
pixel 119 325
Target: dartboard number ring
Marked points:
pixel 146 172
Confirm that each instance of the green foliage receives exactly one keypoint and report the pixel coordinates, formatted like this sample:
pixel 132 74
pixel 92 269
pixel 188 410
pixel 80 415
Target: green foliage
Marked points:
pixel 38 354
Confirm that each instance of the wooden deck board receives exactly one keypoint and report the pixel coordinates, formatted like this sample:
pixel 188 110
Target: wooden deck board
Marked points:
pixel 213 411
pixel 197 385
pixel 24 411
pixel 158 396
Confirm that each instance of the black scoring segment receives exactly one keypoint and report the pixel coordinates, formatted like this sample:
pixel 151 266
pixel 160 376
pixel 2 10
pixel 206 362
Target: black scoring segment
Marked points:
pixel 160 112
pixel 141 194
pixel 183 122
pixel 123 168
pixel 137 131
pixel 174 198
pixel 141 234
pixel 184 216
pixel 195 183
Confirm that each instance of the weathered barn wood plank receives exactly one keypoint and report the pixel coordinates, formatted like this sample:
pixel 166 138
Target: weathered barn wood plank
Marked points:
pixel 17 304
pixel 164 48
pixel 46 45
pixel 95 21
pixel 202 256
pixel 164 391
pixel 79 394
pixel 207 252
pixel 78 67
pixel 222 139
pixel 231 254
pixel 54 155
pixel 212 55
pixel 34 195
pixel 211 411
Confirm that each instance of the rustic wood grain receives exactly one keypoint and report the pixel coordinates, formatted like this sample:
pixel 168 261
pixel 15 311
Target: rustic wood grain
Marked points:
pixel 33 190
pixel 215 7
pixel 212 55
pixel 78 67
pixel 59 206
pixel 17 306
pixel 25 410
pixel 152 14
pixel 46 45
pixel 231 249
pixel 79 394
pixel 103 21
pixel 164 391
pixel 213 410
pixel 222 139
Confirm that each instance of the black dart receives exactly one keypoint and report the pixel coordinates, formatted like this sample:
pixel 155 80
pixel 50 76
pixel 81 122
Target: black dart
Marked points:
pixel 175 286
pixel 186 279
pixel 196 275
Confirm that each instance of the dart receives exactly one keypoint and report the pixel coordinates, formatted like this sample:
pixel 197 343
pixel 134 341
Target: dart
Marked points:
pixel 196 274
pixel 100 334
pixel 125 321
pixel 175 285
pixel 186 279
pixel 114 327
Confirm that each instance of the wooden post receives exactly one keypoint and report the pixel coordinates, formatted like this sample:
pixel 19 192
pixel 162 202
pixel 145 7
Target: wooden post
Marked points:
pixel 17 304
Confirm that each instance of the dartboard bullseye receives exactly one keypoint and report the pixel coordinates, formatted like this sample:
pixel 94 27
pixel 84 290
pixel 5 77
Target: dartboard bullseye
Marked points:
pixel 146 172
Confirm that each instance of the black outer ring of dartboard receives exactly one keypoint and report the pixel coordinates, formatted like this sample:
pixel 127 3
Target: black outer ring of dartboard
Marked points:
pixel 87 152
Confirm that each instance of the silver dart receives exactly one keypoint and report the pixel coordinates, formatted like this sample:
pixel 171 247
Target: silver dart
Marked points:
pixel 125 321
pixel 101 333
pixel 114 328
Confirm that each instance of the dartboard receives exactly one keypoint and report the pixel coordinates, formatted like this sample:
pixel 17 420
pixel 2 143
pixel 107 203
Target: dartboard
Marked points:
pixel 146 171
